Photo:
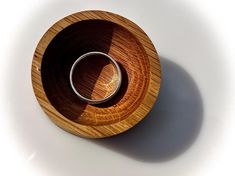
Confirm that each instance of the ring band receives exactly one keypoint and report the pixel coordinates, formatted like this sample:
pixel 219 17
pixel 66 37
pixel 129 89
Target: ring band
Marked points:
pixel 96 101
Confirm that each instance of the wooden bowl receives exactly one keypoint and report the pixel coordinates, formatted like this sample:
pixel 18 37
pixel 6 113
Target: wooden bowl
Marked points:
pixel 105 32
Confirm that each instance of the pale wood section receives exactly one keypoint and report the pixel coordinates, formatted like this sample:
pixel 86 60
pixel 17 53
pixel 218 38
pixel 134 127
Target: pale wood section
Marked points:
pixel 102 31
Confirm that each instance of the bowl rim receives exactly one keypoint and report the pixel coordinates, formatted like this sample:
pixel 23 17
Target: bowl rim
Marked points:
pixel 102 130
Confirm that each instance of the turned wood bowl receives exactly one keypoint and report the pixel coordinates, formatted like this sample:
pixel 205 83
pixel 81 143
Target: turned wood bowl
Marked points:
pixel 105 32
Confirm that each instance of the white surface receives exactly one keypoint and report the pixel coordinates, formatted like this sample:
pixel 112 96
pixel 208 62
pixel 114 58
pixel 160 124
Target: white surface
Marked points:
pixel 191 129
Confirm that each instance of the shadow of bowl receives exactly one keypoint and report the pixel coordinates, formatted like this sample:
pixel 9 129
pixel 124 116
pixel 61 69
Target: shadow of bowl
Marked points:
pixel 173 124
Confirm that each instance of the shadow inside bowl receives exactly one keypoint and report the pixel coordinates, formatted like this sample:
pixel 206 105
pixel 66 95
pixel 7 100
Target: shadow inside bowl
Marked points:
pixel 62 52
pixel 173 124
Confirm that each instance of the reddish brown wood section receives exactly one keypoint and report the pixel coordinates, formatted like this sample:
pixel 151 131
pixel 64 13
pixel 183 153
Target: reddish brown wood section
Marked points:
pixel 112 34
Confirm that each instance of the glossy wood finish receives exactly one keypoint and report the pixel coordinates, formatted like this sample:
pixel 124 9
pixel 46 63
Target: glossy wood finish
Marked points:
pixel 102 31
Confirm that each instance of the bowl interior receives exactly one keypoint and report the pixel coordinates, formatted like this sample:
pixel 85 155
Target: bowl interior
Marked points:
pixel 95 35
pixel 95 77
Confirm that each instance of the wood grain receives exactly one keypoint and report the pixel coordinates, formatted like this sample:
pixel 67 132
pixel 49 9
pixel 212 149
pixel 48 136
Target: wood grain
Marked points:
pixel 114 35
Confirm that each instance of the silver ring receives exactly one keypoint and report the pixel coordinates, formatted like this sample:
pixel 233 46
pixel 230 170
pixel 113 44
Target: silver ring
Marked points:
pixel 97 101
